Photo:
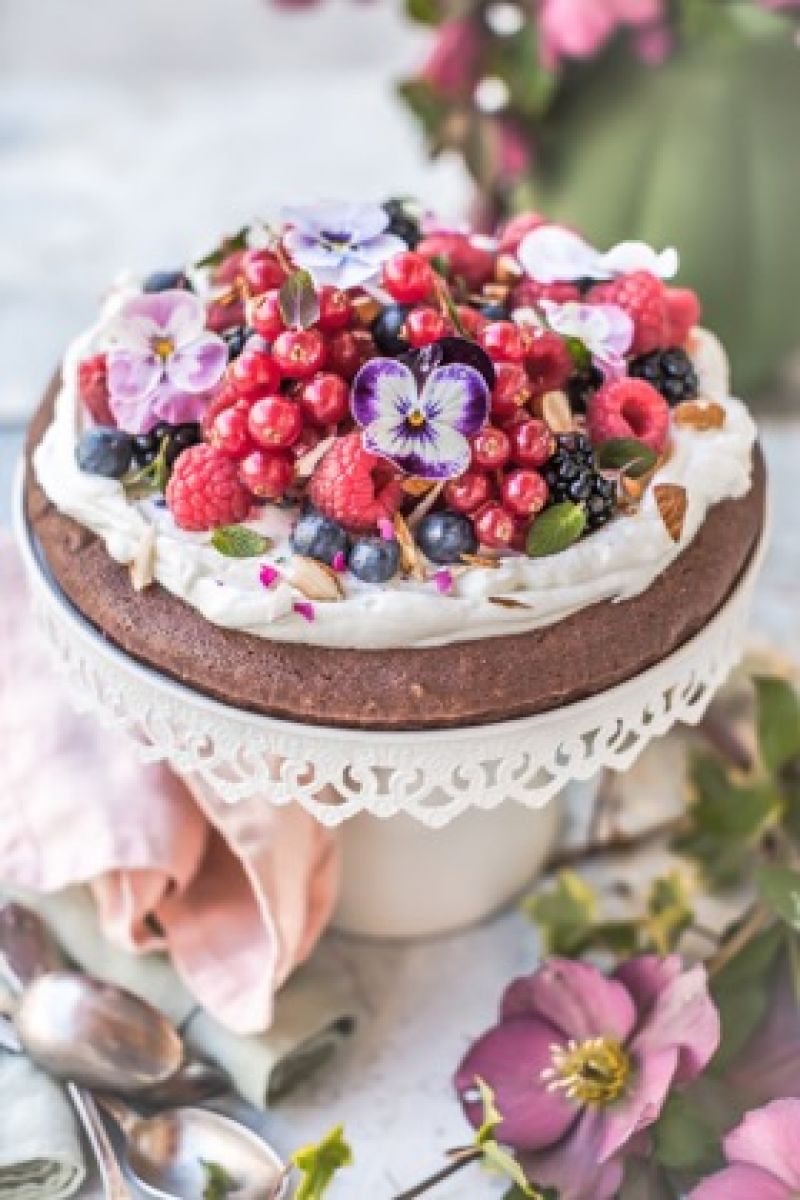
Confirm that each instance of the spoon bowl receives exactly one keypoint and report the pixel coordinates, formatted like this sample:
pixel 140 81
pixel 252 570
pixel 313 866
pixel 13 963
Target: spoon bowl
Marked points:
pixel 95 1034
pixel 167 1153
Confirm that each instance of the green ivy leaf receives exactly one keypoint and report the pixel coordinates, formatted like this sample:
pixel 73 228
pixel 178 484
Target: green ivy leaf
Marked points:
pixel 780 889
pixel 555 529
pixel 669 913
pixel 319 1164
pixel 682 1138
pixel 726 809
pixel 565 915
pixel 628 455
pixel 237 541
pixel 219 1183
pixel 741 992
pixel 226 247
pixel 778 709
pixel 298 300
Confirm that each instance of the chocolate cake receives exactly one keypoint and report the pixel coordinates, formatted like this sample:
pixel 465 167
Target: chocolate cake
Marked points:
pixel 329 477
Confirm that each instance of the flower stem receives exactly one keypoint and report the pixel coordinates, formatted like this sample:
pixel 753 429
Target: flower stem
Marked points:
pixel 755 921
pixel 458 1160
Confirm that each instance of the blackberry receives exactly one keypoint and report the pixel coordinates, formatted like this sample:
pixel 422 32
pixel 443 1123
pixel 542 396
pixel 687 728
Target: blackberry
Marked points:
pixel 571 474
pixel 146 446
pixel 236 339
pixel 582 386
pixel 671 372
pixel 402 222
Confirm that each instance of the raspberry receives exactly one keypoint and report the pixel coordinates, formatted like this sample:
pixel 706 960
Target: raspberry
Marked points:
pixel 629 408
pixel 354 487
pixel 683 313
pixel 644 299
pixel 93 388
pixel 204 490
pixel 530 294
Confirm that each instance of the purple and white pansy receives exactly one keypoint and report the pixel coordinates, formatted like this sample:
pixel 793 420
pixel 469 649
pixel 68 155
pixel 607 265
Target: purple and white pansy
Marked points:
pixel 606 331
pixel 162 361
pixel 552 254
pixel 421 428
pixel 341 244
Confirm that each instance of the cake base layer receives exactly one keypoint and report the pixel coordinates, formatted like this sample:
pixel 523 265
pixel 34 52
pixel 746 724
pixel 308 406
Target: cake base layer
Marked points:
pixel 465 683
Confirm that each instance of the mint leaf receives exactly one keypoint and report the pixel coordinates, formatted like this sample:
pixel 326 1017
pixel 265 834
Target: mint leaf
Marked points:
pixel 219 1183
pixel 628 455
pixel 555 529
pixel 298 300
pixel 780 889
pixel 236 541
pixel 778 722
pixel 579 353
pixel 682 1139
pixel 319 1164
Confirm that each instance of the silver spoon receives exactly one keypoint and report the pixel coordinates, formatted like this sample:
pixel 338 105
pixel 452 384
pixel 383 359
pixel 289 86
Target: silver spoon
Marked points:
pixel 166 1154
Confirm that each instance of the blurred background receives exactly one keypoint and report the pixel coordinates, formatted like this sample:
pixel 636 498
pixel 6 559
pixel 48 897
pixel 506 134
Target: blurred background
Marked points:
pixel 133 133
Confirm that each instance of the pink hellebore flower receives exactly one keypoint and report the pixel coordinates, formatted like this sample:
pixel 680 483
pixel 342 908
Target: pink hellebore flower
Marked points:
pixel 162 362
pixel 764 1157
pixel 579 28
pixel 769 1065
pixel 452 66
pixel 580 1063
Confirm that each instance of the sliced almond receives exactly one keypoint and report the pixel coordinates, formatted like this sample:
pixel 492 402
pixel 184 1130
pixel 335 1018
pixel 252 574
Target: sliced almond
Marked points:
pixel 557 412
pixel 672 502
pixel 507 269
pixel 495 291
pixel 410 557
pixel 508 602
pixel 481 560
pixel 699 415
pixel 425 505
pixel 305 465
pixel 315 580
pixel 414 486
pixel 143 564
pixel 366 309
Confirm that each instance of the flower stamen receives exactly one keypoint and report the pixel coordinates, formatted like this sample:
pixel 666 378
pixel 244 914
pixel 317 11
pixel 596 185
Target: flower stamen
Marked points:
pixel 593 1072
pixel 416 419
pixel 163 347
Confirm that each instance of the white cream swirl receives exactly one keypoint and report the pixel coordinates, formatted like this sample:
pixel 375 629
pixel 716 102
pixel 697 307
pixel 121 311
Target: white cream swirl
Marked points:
pixel 616 563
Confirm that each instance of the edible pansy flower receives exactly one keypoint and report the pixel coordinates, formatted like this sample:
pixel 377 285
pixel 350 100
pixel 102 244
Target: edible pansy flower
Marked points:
pixel 422 429
pixel 162 361
pixel 552 254
pixel 581 1063
pixel 763 1155
pixel 606 331
pixel 340 244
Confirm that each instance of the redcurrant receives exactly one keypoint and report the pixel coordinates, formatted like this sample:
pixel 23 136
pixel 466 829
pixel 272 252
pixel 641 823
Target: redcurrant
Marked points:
pixel 408 278
pixel 548 361
pixel 424 326
pixel 299 353
pixel 264 315
pixel 275 422
pixel 229 431
pixel 349 350
pixel 325 399
pixel 502 341
pixel 524 493
pixel 491 448
pixel 532 443
pixel 468 492
pixel 254 373
pixel 267 473
pixel 335 309
pixel 261 271
pixel 511 391
pixel 494 527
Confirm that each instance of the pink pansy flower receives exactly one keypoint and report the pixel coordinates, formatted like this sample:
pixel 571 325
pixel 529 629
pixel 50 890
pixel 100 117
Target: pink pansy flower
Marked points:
pixel 605 330
pixel 553 254
pixel 162 361
pixel 580 1063
pixel 764 1157
pixel 579 28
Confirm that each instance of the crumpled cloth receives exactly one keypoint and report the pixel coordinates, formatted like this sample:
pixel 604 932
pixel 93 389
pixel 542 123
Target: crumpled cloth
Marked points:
pixel 237 895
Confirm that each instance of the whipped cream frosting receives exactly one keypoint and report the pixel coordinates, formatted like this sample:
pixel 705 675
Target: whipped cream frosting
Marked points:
pixel 617 562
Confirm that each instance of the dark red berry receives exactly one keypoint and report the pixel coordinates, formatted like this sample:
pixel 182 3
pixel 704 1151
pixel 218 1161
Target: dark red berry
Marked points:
pixel 335 309
pixel 264 315
pixel 408 278
pixel 474 264
pixel 299 353
pixel 261 271
pixel 511 391
pixel 254 373
pixel 548 361
pixel 532 443
pixel 325 399
pixel 267 473
pixel 502 341
pixel 472 322
pixel 275 422
pixel 468 492
pixel 424 326
pixel 348 351
pixel 491 448
pixel 494 527
pixel 524 493
pixel 229 430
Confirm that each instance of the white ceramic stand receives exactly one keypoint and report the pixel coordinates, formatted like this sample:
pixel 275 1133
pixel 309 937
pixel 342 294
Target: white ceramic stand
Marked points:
pixel 421 872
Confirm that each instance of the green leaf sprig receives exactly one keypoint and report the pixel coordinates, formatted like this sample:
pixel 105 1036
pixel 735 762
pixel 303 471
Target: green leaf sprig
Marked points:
pixel 319 1164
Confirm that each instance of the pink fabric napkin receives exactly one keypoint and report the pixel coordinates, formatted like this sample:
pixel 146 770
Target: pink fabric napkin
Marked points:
pixel 237 895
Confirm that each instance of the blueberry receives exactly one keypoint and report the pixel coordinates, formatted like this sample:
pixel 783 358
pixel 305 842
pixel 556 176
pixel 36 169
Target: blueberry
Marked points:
pixel 166 281
pixel 236 339
pixel 374 560
pixel 319 537
pixel 105 452
pixel 444 536
pixel 494 311
pixel 386 330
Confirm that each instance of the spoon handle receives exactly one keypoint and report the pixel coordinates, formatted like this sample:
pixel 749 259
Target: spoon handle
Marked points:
pixel 114 1184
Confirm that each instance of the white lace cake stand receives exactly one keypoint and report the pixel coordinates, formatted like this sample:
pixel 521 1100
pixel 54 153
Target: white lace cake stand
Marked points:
pixel 422 872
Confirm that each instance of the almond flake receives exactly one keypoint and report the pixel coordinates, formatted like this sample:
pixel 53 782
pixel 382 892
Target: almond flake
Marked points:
pixel 556 412
pixel 304 466
pixel 672 501
pixel 415 486
pixel 507 269
pixel 425 505
pixel 508 602
pixel 481 560
pixel 366 309
pixel 410 557
pixel 699 415
pixel 315 580
pixel 143 563
pixel 495 291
